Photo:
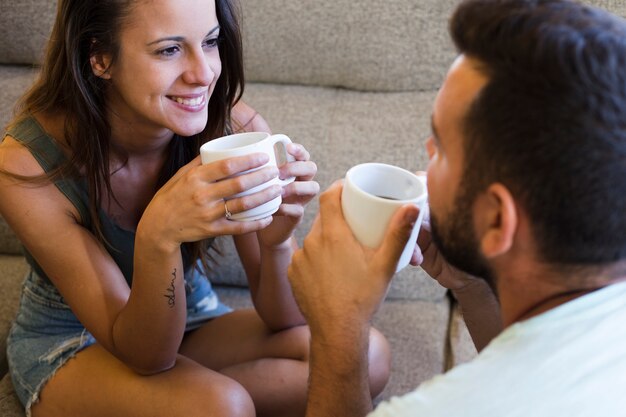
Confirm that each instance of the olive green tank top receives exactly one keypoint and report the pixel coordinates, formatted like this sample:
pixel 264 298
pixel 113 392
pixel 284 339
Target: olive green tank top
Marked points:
pixel 120 243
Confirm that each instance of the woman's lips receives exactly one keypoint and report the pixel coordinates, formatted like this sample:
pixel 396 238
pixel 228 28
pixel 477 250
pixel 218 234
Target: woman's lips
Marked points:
pixel 194 103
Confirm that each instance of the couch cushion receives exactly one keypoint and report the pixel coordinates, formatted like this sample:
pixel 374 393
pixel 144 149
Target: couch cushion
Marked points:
pixel 12 272
pixel 391 128
pixel 376 45
pixel 617 7
pixel 10 405
pixel 24 29
pixel 416 331
pixel 461 347
pixel 14 81
pixel 9 245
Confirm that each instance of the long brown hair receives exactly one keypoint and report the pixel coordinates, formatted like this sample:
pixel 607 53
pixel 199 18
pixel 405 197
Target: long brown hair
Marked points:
pixel 67 83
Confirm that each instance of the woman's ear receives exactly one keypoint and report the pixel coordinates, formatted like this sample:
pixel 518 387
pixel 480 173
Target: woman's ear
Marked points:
pixel 496 220
pixel 100 65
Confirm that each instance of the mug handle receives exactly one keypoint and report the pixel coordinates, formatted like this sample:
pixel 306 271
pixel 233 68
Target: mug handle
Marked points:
pixel 279 145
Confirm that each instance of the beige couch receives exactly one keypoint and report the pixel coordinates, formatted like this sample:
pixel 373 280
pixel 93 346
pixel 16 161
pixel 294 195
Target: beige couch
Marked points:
pixel 353 81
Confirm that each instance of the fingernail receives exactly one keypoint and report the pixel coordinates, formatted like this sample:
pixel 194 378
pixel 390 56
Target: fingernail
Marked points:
pixel 411 217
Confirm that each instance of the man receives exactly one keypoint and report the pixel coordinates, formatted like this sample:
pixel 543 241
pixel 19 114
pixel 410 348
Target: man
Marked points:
pixel 527 186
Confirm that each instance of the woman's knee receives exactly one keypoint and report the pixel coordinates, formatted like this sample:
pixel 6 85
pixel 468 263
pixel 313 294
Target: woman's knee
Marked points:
pixel 216 395
pixel 379 362
pixel 234 400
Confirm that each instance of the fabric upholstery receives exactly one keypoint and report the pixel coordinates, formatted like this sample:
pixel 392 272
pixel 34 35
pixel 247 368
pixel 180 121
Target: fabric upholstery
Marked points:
pixel 13 270
pixel 8 241
pixel 24 28
pixel 461 349
pixel 373 45
pixel 14 81
pixel 9 404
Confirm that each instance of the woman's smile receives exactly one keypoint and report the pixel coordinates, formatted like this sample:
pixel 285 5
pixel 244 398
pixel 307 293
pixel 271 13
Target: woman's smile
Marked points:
pixel 191 103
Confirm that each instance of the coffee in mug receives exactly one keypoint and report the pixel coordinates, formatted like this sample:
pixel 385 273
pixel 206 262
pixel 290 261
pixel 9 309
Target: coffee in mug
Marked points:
pixel 372 193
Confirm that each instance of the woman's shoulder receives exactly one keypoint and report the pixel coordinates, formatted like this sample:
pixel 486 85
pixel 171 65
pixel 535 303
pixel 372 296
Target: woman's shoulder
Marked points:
pixel 27 136
pixel 16 158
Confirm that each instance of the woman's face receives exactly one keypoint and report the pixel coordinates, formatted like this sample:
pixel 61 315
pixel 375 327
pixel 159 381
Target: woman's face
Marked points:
pixel 167 67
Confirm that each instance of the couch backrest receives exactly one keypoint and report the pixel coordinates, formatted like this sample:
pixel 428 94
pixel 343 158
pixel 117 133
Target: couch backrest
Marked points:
pixel 371 45
pixel 9 245
pixel 24 29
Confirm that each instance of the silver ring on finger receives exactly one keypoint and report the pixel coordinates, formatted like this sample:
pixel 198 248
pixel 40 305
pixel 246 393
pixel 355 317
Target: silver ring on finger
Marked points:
pixel 227 212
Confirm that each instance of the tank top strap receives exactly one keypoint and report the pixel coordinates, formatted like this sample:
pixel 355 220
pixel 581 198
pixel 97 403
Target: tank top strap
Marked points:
pixel 50 156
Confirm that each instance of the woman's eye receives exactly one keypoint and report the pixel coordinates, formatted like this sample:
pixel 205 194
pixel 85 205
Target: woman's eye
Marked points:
pixel 172 50
pixel 211 43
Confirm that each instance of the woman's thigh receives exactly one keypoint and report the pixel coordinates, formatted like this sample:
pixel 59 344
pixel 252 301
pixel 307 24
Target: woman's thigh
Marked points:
pixel 241 336
pixel 96 384
pixel 240 345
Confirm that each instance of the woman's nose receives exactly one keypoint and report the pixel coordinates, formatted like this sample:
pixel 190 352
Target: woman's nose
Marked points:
pixel 199 69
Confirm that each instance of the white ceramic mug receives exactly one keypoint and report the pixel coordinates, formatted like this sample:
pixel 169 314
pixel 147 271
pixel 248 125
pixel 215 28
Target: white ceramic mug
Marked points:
pixel 241 144
pixel 372 193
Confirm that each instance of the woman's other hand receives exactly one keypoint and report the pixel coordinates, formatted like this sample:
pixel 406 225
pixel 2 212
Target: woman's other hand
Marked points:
pixel 295 197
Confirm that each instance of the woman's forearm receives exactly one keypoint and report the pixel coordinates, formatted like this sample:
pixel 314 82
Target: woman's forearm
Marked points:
pixel 273 297
pixel 148 331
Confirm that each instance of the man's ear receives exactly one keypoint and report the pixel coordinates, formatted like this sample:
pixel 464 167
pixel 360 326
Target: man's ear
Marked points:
pixel 100 65
pixel 496 220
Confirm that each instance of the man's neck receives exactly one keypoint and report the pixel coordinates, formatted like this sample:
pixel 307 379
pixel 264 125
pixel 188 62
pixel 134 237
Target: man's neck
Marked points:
pixel 548 303
pixel 525 296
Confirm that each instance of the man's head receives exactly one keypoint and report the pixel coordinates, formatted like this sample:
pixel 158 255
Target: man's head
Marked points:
pixel 548 123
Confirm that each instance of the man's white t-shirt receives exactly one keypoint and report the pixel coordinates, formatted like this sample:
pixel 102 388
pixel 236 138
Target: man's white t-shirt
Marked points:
pixel 569 361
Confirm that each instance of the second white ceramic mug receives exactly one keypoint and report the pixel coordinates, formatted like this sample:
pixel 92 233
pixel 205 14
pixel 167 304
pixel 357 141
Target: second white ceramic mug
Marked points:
pixel 241 144
pixel 372 193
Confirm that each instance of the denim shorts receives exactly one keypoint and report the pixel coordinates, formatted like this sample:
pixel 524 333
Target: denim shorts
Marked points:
pixel 46 333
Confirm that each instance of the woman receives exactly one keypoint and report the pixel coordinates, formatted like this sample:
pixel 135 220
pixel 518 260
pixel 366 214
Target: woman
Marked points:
pixel 102 183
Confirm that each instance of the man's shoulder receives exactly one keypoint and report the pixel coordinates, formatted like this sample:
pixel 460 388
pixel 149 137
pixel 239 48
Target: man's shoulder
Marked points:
pixel 564 360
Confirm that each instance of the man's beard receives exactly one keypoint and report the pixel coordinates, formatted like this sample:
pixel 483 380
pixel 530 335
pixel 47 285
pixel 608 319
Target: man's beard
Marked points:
pixel 457 241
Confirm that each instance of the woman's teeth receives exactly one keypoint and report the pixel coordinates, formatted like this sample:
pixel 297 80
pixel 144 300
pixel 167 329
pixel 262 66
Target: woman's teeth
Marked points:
pixel 189 101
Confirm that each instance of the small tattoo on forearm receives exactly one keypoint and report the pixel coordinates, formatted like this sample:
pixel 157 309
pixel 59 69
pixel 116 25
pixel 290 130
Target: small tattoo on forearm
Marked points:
pixel 171 291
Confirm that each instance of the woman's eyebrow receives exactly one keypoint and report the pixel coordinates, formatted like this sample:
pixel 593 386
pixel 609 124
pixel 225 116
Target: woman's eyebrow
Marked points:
pixel 180 38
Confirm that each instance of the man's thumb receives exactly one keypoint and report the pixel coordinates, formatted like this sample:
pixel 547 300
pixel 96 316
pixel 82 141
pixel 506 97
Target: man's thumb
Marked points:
pixel 397 236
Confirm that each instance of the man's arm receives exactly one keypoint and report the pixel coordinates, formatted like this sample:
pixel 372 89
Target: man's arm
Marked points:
pixel 481 311
pixel 339 284
pixel 478 302
pixel 338 376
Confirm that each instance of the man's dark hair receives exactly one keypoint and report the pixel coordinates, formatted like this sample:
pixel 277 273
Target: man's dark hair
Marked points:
pixel 551 122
